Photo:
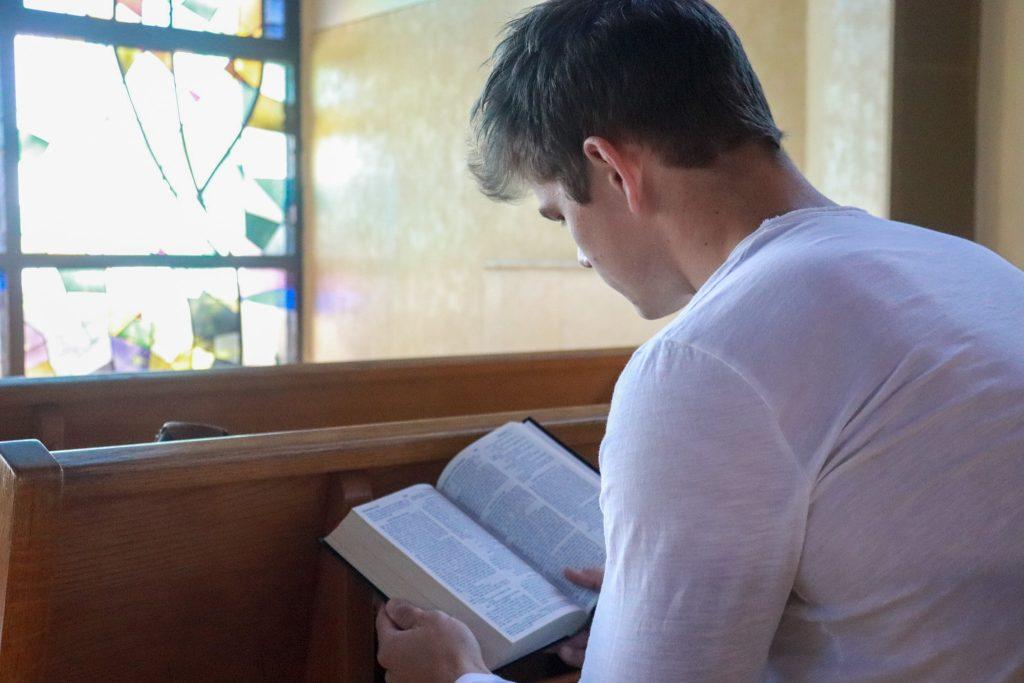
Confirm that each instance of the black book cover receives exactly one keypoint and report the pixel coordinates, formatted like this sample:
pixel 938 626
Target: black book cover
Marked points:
pixel 568 450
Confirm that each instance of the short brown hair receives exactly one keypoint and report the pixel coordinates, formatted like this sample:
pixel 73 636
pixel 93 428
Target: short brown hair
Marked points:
pixel 670 74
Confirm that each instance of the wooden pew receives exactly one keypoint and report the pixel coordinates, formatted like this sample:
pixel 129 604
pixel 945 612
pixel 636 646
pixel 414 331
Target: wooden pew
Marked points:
pixel 200 560
pixel 83 412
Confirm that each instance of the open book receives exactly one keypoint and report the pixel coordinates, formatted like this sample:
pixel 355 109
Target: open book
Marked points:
pixel 489 544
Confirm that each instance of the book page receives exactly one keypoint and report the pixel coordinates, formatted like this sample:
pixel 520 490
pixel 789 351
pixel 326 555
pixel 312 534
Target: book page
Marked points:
pixel 534 497
pixel 463 556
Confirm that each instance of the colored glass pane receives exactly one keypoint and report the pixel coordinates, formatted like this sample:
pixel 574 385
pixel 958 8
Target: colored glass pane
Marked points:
pixel 3 323
pixel 269 320
pixel 273 19
pixel 3 171
pixel 148 12
pixel 164 153
pixel 234 17
pixel 245 18
pixel 85 321
pixel 100 9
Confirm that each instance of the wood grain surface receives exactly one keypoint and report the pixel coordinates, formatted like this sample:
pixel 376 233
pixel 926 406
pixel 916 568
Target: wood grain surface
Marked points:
pixel 82 412
pixel 201 560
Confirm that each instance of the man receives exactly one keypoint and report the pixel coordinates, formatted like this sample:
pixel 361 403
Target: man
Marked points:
pixel 816 471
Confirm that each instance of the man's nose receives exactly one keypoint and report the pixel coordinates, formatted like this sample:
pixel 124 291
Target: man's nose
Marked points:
pixel 582 258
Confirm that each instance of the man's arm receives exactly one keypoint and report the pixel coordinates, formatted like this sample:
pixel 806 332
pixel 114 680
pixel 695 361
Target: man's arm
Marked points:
pixel 705 507
pixel 427 646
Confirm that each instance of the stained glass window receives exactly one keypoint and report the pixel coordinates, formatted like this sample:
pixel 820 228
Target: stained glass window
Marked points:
pixel 195 158
pixel 3 322
pixel 244 18
pixel 155 225
pixel 83 321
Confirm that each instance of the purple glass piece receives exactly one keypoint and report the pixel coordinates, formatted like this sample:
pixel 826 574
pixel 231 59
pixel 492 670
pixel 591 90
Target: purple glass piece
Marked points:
pixel 128 357
pixel 36 351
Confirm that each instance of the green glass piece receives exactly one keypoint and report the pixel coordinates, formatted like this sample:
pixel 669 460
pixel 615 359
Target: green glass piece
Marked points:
pixel 84 280
pixel 249 97
pixel 138 333
pixel 212 318
pixel 204 9
pixel 274 188
pixel 275 297
pixel 259 230
pixel 228 348
pixel 33 145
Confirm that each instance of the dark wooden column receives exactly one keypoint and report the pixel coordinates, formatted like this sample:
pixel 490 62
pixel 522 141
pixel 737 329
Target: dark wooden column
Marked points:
pixel 934 117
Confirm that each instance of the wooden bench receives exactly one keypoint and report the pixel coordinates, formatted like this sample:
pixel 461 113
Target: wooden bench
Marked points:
pixel 83 412
pixel 200 560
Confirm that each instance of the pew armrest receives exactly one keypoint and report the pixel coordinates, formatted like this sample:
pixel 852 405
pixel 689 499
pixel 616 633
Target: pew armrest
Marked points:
pixel 30 497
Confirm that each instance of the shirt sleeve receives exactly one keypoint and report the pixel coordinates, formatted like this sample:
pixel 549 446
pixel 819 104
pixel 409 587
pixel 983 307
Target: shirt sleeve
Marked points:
pixel 480 678
pixel 705 507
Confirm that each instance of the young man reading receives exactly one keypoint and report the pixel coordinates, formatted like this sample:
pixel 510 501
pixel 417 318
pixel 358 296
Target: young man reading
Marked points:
pixel 816 470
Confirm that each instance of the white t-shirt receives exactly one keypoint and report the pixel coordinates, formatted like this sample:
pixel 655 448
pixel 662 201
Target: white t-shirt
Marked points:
pixel 816 471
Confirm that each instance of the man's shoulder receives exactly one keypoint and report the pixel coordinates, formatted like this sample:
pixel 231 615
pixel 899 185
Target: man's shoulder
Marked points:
pixel 833 292
pixel 843 271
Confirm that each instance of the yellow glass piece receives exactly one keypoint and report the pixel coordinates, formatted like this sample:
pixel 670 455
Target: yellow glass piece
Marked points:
pixel 202 359
pixel 166 58
pixel 182 362
pixel 250 21
pixel 158 364
pixel 126 57
pixel 268 114
pixel 247 71
pixel 44 369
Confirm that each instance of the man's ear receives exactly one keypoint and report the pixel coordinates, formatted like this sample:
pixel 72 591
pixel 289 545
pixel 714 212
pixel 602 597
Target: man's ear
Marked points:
pixel 616 165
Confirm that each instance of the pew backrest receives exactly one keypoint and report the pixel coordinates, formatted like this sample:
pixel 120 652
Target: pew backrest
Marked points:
pixel 82 412
pixel 200 560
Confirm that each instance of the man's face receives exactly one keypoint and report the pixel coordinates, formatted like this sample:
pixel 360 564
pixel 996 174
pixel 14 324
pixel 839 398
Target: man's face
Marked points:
pixel 613 241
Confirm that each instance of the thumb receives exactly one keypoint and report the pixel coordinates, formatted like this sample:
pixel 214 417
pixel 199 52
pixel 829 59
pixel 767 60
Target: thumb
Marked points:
pixel 403 613
pixel 590 577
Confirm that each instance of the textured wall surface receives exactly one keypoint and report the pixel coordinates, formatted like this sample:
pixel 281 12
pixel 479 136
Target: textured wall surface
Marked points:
pixel 1000 169
pixel 404 257
pixel 328 13
pixel 849 100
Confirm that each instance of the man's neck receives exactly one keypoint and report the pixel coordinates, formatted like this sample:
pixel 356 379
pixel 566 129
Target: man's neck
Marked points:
pixel 738 193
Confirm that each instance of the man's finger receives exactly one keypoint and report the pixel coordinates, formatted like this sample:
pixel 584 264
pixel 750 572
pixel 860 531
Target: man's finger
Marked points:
pixel 577 641
pixel 588 578
pixel 573 656
pixel 403 613
pixel 385 626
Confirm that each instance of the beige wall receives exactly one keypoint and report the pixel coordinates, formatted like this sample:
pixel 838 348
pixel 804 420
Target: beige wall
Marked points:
pixel 1000 168
pixel 403 256
pixel 328 13
pixel 849 103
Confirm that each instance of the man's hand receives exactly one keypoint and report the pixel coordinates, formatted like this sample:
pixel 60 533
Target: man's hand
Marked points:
pixel 420 646
pixel 571 650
